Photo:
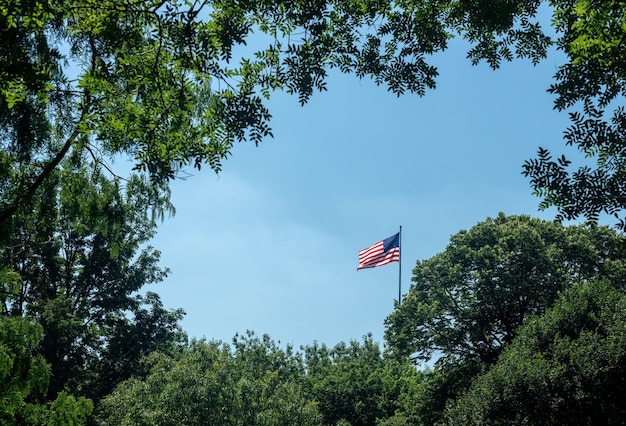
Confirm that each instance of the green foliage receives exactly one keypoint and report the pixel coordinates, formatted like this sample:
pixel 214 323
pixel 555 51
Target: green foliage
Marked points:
pixel 65 410
pixel 354 384
pixel 565 367
pixel 172 84
pixel 254 383
pixel 128 340
pixel 423 403
pixel 469 301
pixel 592 82
pixel 467 304
pixel 78 257
pixel 21 370
pixel 24 375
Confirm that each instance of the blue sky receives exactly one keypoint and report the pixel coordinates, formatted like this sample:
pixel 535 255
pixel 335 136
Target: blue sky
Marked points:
pixel 271 243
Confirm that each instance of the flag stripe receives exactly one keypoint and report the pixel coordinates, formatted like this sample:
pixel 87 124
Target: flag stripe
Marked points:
pixel 382 259
pixel 381 253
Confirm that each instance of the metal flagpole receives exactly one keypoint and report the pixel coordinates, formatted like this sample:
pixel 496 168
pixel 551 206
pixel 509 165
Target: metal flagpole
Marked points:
pixel 400 266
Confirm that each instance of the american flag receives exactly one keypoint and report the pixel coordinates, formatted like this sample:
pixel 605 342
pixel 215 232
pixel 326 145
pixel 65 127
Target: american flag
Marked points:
pixel 381 253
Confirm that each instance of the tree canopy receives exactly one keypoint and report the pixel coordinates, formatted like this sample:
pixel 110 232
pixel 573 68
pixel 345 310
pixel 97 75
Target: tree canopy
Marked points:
pixel 469 301
pixel 355 384
pixel 592 85
pixel 175 84
pixel 74 265
pixel 253 383
pixel 172 84
pixel 565 367
pixel 24 377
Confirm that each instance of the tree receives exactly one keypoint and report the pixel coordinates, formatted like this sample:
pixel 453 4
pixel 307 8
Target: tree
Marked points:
pixel 567 366
pixel 354 384
pixel 24 375
pixel 592 83
pixel 152 328
pixel 252 383
pixel 469 301
pixel 162 82
pixel 172 84
pixel 78 259
pixel 21 372
pixel 468 304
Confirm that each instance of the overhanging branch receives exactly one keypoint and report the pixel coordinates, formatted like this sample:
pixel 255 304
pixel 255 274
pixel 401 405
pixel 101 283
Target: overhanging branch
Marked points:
pixel 29 191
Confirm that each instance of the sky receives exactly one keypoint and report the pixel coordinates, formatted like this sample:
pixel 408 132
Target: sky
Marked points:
pixel 271 243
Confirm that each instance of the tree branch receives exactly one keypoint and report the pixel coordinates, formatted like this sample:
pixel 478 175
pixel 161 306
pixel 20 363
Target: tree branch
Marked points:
pixel 7 213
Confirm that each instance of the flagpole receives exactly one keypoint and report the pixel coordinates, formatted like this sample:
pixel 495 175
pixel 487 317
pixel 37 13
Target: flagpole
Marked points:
pixel 400 266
